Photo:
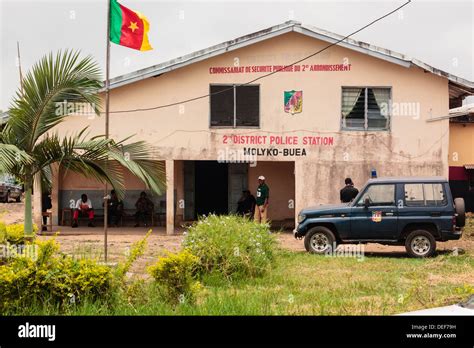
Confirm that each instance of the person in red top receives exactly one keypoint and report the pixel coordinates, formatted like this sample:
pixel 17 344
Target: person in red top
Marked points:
pixel 83 207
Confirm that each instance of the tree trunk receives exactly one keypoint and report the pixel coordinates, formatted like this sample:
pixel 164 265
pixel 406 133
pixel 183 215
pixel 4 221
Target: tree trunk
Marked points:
pixel 28 224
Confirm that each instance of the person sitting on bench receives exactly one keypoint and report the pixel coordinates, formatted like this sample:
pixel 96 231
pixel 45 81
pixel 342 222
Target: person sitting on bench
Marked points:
pixel 83 207
pixel 144 208
pixel 115 209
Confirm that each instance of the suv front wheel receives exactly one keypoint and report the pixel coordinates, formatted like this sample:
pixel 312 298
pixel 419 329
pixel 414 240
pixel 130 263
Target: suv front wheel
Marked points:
pixel 420 243
pixel 319 240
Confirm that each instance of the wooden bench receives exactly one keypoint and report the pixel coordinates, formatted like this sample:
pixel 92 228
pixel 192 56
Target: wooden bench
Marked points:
pixel 127 214
pixel 66 216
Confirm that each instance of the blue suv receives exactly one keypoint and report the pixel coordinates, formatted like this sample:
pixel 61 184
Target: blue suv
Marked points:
pixel 411 211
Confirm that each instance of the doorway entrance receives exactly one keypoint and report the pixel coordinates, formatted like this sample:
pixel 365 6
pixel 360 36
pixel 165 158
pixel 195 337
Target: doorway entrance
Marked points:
pixel 211 182
pixel 213 187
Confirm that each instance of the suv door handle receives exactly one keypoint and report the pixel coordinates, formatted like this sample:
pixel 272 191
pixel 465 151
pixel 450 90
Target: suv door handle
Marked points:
pixel 389 214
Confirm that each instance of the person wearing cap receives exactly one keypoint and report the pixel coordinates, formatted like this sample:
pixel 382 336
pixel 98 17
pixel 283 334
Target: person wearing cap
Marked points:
pixel 263 193
pixel 348 192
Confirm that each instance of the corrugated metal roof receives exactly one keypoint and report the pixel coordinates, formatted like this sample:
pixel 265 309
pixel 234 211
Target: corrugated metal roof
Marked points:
pixel 458 86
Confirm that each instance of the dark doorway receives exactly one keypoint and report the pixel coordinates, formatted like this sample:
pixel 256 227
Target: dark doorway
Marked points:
pixel 211 187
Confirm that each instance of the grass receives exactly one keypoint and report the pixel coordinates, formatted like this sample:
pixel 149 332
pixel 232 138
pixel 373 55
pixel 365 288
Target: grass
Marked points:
pixel 304 284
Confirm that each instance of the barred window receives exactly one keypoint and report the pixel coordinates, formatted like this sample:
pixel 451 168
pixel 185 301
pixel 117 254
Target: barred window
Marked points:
pixel 365 108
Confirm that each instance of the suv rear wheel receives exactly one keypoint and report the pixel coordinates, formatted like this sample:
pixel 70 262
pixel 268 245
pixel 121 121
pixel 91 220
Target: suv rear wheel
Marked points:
pixel 319 240
pixel 460 212
pixel 420 243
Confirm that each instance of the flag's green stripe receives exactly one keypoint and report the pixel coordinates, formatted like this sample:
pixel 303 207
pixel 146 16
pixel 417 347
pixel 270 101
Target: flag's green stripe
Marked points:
pixel 115 21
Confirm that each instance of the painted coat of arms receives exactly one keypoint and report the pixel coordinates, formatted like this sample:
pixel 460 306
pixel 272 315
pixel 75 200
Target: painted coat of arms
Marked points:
pixel 293 101
pixel 376 216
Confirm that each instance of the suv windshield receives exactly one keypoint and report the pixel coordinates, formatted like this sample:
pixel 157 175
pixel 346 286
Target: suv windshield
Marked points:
pixel 378 195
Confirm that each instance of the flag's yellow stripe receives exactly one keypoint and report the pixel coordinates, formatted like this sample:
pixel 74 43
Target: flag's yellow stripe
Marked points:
pixel 146 26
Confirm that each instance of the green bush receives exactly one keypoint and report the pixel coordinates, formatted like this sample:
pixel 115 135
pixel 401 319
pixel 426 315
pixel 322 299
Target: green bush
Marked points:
pixel 175 274
pixel 51 277
pixel 13 233
pixel 232 246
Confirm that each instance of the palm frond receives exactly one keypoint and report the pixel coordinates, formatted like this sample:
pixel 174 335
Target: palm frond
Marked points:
pixel 139 159
pixel 49 89
pixel 12 159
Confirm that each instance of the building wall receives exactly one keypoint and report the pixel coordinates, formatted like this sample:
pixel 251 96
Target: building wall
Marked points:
pixel 461 144
pixel 461 153
pixel 280 179
pixel 411 147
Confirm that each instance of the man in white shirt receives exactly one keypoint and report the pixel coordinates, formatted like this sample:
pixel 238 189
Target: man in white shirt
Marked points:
pixel 83 207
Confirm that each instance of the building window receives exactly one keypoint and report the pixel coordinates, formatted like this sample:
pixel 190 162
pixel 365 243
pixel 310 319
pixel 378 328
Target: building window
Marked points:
pixel 235 106
pixel 365 108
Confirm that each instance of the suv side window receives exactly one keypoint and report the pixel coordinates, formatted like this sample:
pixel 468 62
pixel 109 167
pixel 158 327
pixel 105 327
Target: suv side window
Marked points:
pixel 421 195
pixel 379 195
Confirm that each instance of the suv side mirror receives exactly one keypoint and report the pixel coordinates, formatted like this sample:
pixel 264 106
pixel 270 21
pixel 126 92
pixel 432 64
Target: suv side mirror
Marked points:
pixel 366 202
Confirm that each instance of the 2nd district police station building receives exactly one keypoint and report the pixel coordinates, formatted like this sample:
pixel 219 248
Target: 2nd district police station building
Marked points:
pixel 350 109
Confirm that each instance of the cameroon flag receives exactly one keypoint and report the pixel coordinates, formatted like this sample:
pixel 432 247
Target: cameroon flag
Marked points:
pixel 128 28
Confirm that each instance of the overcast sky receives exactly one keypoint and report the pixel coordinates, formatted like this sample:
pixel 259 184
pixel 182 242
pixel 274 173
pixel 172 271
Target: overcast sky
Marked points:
pixel 440 33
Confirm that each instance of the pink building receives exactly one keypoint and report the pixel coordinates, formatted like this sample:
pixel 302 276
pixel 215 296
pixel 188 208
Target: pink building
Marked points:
pixel 350 109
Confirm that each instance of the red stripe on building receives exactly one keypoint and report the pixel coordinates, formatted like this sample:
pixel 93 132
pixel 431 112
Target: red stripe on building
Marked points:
pixel 458 173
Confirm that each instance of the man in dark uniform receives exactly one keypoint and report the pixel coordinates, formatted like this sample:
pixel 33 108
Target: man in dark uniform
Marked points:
pixel 144 207
pixel 115 209
pixel 349 192
pixel 246 204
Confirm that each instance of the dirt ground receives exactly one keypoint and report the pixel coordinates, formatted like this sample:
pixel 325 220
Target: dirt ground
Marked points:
pixel 89 242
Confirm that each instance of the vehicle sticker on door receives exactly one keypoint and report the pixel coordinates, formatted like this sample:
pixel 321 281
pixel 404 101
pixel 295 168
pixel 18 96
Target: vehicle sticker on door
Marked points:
pixel 376 216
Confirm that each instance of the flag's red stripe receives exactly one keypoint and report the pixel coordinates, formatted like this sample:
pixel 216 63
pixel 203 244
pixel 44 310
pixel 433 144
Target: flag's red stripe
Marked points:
pixel 129 38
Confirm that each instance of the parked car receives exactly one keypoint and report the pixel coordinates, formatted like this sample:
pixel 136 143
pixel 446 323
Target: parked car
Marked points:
pixel 10 190
pixel 415 212
pixel 463 308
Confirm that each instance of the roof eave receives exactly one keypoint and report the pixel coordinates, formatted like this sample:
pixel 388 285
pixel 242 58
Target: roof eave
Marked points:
pixel 359 46
pixel 198 56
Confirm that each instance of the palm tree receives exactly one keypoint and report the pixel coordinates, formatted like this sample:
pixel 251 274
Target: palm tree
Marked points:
pixel 29 144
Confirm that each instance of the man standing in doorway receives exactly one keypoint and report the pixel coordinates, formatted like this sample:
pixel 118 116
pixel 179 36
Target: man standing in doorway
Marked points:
pixel 263 194
pixel 348 192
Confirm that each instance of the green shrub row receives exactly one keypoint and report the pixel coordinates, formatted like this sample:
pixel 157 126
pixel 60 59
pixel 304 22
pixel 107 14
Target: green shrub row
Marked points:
pixel 227 246
pixel 51 276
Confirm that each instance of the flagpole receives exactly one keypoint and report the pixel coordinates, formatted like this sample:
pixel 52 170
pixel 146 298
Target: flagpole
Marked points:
pixel 19 66
pixel 107 105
